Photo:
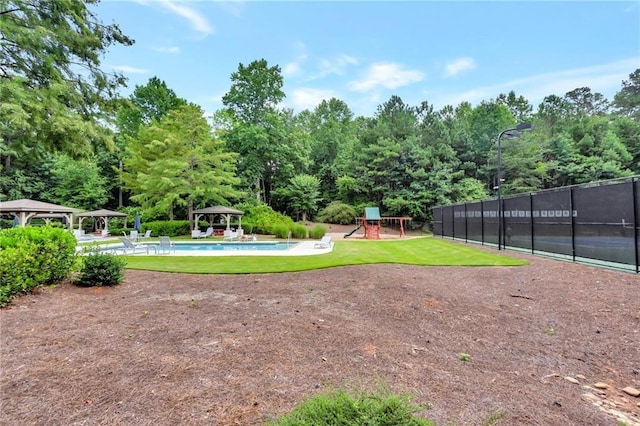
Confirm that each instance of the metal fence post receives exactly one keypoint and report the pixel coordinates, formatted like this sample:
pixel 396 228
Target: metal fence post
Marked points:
pixel 573 226
pixel 634 184
pixel 531 218
pixel 482 222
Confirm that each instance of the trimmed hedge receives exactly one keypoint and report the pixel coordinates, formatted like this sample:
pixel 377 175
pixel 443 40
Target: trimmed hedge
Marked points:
pixel 169 228
pixel 33 256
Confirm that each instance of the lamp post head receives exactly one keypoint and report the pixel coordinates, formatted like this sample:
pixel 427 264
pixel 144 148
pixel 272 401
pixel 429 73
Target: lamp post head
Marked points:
pixel 524 126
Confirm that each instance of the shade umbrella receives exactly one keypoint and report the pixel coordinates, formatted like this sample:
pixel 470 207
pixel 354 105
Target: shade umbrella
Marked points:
pixel 16 222
pixel 136 222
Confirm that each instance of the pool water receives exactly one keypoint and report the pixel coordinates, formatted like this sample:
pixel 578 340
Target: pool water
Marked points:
pixel 234 246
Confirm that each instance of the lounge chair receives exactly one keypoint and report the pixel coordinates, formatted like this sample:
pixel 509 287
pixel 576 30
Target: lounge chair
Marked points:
pixel 166 245
pixel 325 242
pixel 198 234
pixel 146 235
pixel 230 235
pixel 132 248
pixel 133 235
pixel 81 236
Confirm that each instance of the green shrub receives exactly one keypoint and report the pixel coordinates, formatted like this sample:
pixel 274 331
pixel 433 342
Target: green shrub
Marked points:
pixel 169 228
pixel 298 231
pixel 317 232
pixel 101 269
pixel 33 256
pixel 338 407
pixel 337 212
pixel 262 218
pixel 281 231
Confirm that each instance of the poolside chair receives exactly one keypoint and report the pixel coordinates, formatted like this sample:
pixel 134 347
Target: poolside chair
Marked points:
pixel 203 234
pixel 325 242
pixel 146 235
pixel 132 248
pixel 81 236
pixel 134 235
pixel 230 235
pixel 166 245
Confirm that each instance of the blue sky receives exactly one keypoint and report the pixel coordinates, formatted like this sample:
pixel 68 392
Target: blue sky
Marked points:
pixel 363 52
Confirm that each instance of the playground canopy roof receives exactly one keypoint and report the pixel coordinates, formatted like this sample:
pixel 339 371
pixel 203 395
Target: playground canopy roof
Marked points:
pixel 372 213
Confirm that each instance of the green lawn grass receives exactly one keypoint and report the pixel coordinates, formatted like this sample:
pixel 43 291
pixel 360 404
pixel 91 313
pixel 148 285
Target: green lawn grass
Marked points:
pixel 419 251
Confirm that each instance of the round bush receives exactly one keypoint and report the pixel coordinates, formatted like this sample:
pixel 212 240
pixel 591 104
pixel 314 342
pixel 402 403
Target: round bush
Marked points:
pixel 337 212
pixel 101 269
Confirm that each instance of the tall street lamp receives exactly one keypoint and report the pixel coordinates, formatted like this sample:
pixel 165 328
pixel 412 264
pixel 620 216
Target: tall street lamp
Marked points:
pixel 514 132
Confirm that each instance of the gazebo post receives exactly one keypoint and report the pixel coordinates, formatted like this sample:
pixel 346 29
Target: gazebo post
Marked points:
pixel 196 227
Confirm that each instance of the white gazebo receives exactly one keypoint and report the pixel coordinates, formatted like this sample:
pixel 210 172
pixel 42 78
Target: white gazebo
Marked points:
pixel 102 216
pixel 225 212
pixel 25 210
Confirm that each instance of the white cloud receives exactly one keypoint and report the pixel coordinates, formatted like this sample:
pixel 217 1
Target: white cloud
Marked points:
pixel 459 65
pixel 308 98
pixel 336 65
pixel 197 20
pixel 387 75
pixel 294 68
pixel 605 78
pixel 291 69
pixel 130 69
pixel 169 49
pixel 233 7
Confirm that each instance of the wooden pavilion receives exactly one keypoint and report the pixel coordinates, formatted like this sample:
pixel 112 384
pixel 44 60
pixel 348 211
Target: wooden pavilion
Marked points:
pixel 25 210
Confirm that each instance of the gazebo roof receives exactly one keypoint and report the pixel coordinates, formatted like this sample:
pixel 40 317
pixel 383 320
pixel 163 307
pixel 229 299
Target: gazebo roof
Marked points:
pixel 218 210
pixel 102 213
pixel 33 206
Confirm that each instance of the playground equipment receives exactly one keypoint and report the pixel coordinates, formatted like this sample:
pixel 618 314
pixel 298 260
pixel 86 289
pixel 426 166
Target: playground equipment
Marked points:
pixel 372 222
pixel 350 233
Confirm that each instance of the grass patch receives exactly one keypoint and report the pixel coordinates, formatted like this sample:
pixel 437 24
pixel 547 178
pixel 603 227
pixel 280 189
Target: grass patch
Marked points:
pixel 425 251
pixel 339 407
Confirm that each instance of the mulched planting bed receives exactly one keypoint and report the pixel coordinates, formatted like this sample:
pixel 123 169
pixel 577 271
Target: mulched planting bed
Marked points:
pixel 185 349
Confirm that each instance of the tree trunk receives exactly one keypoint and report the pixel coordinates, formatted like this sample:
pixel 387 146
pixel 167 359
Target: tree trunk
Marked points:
pixel 191 224
pixel 120 185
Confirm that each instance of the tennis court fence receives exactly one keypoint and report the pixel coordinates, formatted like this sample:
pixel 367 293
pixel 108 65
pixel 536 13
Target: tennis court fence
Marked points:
pixel 593 223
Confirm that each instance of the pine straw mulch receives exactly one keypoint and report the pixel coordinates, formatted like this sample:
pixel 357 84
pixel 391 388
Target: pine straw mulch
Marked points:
pixel 169 349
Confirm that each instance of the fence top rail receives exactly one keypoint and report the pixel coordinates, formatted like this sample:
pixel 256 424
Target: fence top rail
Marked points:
pixel 593 184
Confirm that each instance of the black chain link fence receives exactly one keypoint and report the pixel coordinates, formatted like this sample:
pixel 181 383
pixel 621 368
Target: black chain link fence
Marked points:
pixel 594 223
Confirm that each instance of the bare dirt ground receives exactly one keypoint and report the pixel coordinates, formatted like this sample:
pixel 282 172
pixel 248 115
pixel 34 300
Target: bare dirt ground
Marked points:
pixel 552 343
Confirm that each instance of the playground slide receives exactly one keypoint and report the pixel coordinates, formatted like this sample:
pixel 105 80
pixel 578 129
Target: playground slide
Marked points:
pixel 352 232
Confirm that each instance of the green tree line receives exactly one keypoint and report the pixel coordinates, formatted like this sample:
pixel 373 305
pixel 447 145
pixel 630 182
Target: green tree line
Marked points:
pixel 67 137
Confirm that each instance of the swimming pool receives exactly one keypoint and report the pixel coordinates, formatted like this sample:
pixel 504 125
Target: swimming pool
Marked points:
pixel 219 248
pixel 234 246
